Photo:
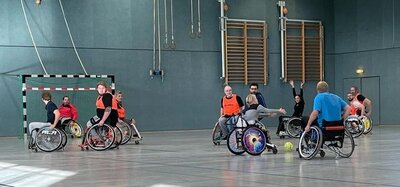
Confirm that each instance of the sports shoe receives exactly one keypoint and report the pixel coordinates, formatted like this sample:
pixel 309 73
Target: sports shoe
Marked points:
pixel 282 133
pixel 220 138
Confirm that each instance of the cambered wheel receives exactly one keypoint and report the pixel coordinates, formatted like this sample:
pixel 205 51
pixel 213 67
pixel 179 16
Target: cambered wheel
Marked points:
pixel 48 139
pixel 99 137
pixel 293 127
pixel 310 143
pixel 234 141
pixel 254 140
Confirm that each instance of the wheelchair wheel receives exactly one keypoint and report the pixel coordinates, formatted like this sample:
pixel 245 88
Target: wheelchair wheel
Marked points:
pixel 367 124
pixel 75 129
pixel 64 139
pixel 347 146
pixel 216 134
pixel 48 140
pixel 126 132
pixel 31 144
pixel 254 141
pixel 99 137
pixel 293 127
pixel 354 126
pixel 310 143
pixel 118 138
pixel 234 141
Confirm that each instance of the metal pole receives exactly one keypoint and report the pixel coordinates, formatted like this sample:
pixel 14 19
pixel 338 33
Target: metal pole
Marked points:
pixel 166 24
pixel 172 46
pixel 222 29
pixel 281 4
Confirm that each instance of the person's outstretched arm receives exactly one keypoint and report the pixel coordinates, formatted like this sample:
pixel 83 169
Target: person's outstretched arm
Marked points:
pixel 293 90
pixel 301 90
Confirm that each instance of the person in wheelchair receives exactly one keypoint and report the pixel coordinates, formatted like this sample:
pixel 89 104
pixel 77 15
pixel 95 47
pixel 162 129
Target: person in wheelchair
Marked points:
pixel 121 110
pixel 327 106
pixel 68 111
pixel 106 108
pixel 254 110
pixel 231 105
pixel 357 96
pixel 298 109
pixel 356 107
pixel 53 116
pixel 122 116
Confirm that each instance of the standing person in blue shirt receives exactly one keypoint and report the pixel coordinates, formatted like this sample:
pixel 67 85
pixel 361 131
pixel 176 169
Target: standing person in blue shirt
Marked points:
pixel 327 106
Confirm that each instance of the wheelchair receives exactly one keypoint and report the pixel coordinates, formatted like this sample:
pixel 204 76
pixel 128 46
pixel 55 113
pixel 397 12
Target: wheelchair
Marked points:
pixel 367 122
pixel 217 132
pixel 48 140
pixel 249 136
pixel 292 127
pixel 126 132
pixel 72 128
pixel 118 138
pixel 355 125
pixel 137 137
pixel 99 138
pixel 333 136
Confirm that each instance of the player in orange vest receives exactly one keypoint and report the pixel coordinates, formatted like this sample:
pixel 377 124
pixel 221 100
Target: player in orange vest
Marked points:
pixel 106 107
pixel 362 99
pixel 120 107
pixel 231 105
pixel 356 107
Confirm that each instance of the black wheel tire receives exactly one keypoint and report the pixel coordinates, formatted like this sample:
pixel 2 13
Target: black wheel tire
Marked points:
pixel 322 153
pixel 275 150
pixel 137 142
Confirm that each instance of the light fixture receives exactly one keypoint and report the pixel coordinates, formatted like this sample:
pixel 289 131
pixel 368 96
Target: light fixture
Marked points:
pixel 359 71
pixel 38 2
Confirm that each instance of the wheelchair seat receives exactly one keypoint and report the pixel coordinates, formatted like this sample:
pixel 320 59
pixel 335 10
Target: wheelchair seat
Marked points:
pixel 333 130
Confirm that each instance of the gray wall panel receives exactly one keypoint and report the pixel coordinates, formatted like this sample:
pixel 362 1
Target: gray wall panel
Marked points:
pixel 115 37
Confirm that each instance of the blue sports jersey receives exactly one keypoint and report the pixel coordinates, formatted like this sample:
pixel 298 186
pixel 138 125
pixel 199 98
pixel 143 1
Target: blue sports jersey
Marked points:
pixel 329 107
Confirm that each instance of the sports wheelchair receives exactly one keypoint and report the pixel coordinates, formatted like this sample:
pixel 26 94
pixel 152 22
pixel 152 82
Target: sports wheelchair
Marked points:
pixel 332 135
pixel 354 125
pixel 129 131
pixel 99 138
pixel 71 128
pixel 245 136
pixel 48 139
pixel 367 122
pixel 292 127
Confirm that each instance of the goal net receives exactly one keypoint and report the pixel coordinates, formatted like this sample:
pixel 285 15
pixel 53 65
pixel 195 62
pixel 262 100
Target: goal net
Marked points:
pixel 81 90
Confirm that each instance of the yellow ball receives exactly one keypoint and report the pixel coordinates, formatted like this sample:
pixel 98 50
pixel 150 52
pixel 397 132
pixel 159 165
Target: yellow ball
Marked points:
pixel 288 146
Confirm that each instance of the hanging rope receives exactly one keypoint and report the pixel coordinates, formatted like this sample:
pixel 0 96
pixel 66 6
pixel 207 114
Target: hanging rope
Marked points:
pixel 33 40
pixel 70 36
pixel 166 24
